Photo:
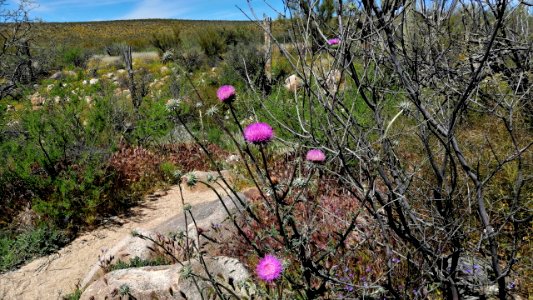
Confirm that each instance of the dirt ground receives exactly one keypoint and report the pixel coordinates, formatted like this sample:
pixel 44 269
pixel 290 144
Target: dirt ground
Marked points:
pixel 57 275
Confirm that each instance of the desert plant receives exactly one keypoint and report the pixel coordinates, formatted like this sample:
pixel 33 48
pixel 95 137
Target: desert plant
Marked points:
pixel 164 42
pixel 212 43
pixel 244 64
pixel 422 170
pixel 74 57
pixel 16 249
pixel 15 48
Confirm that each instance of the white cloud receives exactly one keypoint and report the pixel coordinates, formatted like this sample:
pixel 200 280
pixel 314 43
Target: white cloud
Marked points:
pixel 147 9
pixel 52 5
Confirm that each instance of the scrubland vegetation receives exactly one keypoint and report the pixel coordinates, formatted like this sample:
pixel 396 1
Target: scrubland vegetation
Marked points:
pixel 419 114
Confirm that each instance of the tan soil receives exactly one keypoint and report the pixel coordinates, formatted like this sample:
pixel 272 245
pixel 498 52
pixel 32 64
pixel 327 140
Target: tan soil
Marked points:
pixel 57 275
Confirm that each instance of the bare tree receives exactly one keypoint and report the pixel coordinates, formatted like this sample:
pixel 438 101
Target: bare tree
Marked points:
pixel 445 65
pixel 137 84
pixel 421 108
pixel 15 39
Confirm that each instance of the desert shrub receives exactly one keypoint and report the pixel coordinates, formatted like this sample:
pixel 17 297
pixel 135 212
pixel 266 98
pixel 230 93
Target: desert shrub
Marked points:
pixel 212 43
pixel 164 41
pixel 136 166
pixel 74 57
pixel 281 69
pixel 215 42
pixel 61 162
pixel 191 59
pixel 168 170
pixel 16 249
pixel 153 124
pixel 243 63
pixel 114 49
pixel 17 42
pixel 188 157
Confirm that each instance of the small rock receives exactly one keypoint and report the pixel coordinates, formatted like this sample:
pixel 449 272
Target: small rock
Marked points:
pixel 37 100
pixel 334 81
pixel 232 159
pixel 293 83
pixel 93 81
pixel 57 75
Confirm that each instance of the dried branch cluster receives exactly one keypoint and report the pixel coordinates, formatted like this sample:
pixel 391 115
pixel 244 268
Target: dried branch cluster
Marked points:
pixel 441 156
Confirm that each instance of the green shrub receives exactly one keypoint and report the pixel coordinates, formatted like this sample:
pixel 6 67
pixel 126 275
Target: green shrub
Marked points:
pixel 138 262
pixel 17 248
pixel 164 41
pixel 281 69
pixel 74 57
pixel 152 124
pixel 215 42
pixel 212 44
pixel 168 170
pixel 243 62
pixel 114 49
pixel 192 59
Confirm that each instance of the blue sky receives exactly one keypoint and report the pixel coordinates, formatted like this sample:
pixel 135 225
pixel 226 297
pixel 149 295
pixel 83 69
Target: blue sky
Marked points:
pixel 99 10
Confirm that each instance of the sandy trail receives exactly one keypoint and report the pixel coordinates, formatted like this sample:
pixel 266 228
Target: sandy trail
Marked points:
pixel 57 275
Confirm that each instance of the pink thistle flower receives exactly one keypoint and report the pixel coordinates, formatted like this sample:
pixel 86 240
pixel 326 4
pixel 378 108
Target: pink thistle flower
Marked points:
pixel 269 268
pixel 258 133
pixel 315 155
pixel 226 93
pixel 334 42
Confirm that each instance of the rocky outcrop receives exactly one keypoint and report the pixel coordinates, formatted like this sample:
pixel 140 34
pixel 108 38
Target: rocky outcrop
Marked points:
pixel 178 281
pixel 205 214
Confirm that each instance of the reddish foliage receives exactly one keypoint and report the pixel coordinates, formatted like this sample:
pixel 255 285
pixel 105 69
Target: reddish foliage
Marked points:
pixel 133 163
pixel 190 157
